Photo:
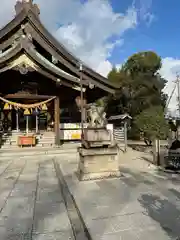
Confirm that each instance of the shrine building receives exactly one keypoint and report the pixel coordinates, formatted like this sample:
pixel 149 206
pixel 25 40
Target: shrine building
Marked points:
pixel 40 80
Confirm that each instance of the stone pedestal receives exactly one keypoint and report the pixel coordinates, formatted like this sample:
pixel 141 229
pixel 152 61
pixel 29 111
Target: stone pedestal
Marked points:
pixel 97 137
pixel 98 163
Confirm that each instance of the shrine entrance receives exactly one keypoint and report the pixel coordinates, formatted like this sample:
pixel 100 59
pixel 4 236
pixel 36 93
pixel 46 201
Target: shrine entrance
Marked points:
pixel 26 115
pixel 37 121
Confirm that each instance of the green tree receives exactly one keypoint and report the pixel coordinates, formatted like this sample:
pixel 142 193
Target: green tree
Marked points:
pixel 143 62
pixel 152 124
pixel 140 86
pixel 145 84
pixel 140 83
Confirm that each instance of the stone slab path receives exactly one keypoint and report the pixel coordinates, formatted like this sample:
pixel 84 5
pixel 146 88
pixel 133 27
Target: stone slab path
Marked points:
pixel 143 204
pixel 31 204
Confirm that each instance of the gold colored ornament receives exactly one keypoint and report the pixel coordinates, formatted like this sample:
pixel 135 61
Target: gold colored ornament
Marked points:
pixel 6 106
pixel 44 107
pixel 26 111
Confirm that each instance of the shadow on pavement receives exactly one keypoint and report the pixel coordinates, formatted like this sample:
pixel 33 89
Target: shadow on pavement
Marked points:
pixel 165 213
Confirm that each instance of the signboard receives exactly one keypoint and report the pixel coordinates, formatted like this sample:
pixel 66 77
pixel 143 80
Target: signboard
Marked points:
pixel 72 131
pixel 71 125
pixel 69 134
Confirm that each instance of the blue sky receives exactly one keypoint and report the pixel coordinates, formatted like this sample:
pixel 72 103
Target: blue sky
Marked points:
pixel 104 33
pixel 162 36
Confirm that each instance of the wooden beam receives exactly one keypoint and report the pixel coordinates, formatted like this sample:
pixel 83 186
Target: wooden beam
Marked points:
pixel 57 120
pixel 48 65
pixel 27 96
pixel 11 39
pixel 10 53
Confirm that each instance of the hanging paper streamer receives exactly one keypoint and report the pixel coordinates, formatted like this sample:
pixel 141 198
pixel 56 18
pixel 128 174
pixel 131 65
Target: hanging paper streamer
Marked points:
pixel 44 107
pixel 6 106
pixel 27 112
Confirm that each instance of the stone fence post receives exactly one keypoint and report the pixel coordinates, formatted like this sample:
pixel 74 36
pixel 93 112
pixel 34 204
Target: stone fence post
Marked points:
pixel 156 152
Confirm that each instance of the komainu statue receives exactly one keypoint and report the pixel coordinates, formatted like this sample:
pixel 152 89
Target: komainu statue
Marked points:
pixel 96 116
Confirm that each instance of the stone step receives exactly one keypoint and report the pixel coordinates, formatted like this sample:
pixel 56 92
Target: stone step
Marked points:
pixel 46 144
pixel 36 151
pixel 40 135
pixel 10 138
pixel 15 138
pixel 14 145
pixel 9 147
pixel 45 139
pixel 9 144
pixel 21 134
pixel 9 141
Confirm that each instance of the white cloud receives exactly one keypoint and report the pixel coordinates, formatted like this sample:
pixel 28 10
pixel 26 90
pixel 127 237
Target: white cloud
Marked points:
pixel 104 68
pixel 87 33
pixel 86 29
pixel 144 10
pixel 170 69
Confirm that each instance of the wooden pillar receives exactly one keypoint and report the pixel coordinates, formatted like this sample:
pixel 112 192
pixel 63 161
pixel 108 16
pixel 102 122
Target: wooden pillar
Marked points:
pixel 57 120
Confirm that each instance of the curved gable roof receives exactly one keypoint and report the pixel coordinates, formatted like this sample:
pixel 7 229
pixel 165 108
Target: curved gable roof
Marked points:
pixel 28 14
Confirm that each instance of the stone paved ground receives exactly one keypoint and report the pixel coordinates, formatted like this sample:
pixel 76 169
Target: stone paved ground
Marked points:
pixel 143 204
pixel 31 205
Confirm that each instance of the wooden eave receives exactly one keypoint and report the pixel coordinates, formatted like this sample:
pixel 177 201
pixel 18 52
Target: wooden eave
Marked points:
pixel 27 96
pixel 59 48
pixel 38 59
pixel 34 56
pixel 36 35
pixel 33 26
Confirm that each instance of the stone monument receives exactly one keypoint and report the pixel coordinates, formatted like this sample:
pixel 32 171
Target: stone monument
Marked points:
pixel 98 155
